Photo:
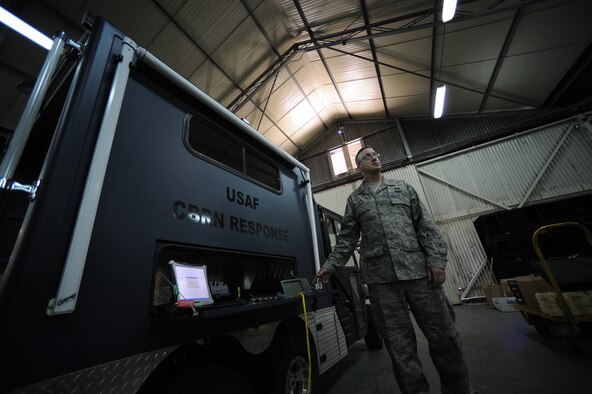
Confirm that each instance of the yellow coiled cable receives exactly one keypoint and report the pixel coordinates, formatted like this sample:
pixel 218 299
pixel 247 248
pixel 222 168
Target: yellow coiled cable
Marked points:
pixel 307 343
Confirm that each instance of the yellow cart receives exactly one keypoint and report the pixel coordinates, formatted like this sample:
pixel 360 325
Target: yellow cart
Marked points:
pixel 569 325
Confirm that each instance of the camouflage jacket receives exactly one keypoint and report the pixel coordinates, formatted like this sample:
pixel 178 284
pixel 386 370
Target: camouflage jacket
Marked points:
pixel 399 236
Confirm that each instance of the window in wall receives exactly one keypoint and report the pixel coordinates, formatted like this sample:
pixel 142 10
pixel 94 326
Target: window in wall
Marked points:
pixel 343 158
pixel 338 161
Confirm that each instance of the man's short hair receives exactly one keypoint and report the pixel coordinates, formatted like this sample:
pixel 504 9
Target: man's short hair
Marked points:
pixel 358 158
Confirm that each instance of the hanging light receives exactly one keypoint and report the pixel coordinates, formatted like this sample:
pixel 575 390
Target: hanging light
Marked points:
pixel 439 104
pixel 448 10
pixel 25 29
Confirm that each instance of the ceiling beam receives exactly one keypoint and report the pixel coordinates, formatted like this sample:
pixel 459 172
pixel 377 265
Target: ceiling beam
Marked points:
pixel 264 109
pixel 209 58
pixel 345 36
pixel 73 24
pixel 502 56
pixel 456 85
pixel 292 76
pixel 287 57
pixel 313 45
pixel 582 68
pixel 374 57
pixel 195 43
pixel 261 81
pixel 263 115
pixel 322 57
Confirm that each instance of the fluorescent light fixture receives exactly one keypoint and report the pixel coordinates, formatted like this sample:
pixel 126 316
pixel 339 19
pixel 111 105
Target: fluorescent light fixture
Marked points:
pixel 439 104
pixel 26 30
pixel 448 10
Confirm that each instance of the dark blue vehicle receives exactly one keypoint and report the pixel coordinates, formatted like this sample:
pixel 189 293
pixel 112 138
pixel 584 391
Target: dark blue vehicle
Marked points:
pixel 120 167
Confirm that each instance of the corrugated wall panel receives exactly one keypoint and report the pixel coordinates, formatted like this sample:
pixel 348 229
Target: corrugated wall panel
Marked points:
pixel 463 260
pixel 467 182
pixel 465 257
pixel 328 140
pixel 335 198
pixel 502 172
pixel 447 202
pixel 571 171
pixel 409 175
pixel 319 164
pixel 428 138
pixel 361 129
pixel 388 144
pixel 442 135
pixel 378 130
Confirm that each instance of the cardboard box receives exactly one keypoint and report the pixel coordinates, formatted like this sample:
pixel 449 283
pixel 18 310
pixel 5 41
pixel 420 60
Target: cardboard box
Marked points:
pixel 529 285
pixel 493 291
pixel 578 302
pixel 506 288
pixel 505 304
pixel 514 290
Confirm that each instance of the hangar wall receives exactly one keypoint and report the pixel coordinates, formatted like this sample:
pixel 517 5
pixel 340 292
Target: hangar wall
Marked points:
pixel 545 163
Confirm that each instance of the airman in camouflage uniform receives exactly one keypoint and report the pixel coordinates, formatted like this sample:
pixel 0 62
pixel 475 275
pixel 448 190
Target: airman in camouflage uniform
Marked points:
pixel 403 257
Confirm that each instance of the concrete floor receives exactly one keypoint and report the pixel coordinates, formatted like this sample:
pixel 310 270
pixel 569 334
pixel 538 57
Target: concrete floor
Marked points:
pixel 504 355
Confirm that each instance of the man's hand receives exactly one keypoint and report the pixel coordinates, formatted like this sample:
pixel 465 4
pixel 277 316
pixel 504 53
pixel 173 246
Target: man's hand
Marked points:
pixel 322 276
pixel 436 276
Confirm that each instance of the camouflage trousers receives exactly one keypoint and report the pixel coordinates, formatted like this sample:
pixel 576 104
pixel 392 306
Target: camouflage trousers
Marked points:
pixel 433 316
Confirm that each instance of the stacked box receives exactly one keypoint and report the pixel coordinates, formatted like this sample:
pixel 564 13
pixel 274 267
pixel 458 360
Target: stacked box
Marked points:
pixel 506 287
pixel 529 285
pixel 493 291
pixel 515 290
pixel 578 302
pixel 505 304
pixel 583 301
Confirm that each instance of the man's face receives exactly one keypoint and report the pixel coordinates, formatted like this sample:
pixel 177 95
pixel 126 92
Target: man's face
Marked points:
pixel 369 160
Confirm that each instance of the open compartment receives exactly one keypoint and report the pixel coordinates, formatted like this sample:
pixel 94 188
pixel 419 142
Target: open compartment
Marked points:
pixel 234 278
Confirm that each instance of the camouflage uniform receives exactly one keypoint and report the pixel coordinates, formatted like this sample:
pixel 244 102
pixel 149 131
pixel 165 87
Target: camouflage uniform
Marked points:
pixel 399 241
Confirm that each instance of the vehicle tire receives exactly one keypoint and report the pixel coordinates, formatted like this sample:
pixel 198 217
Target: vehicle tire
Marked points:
pixel 373 338
pixel 289 369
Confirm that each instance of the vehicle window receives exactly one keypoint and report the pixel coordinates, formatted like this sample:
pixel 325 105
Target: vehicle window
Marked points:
pixel 333 228
pixel 213 142
pixel 262 171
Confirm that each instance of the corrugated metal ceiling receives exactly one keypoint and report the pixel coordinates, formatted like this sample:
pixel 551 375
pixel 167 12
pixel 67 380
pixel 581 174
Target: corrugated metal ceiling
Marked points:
pixel 294 68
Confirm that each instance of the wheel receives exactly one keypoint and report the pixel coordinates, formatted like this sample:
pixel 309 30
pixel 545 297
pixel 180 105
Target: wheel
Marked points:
pixel 373 338
pixel 289 369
